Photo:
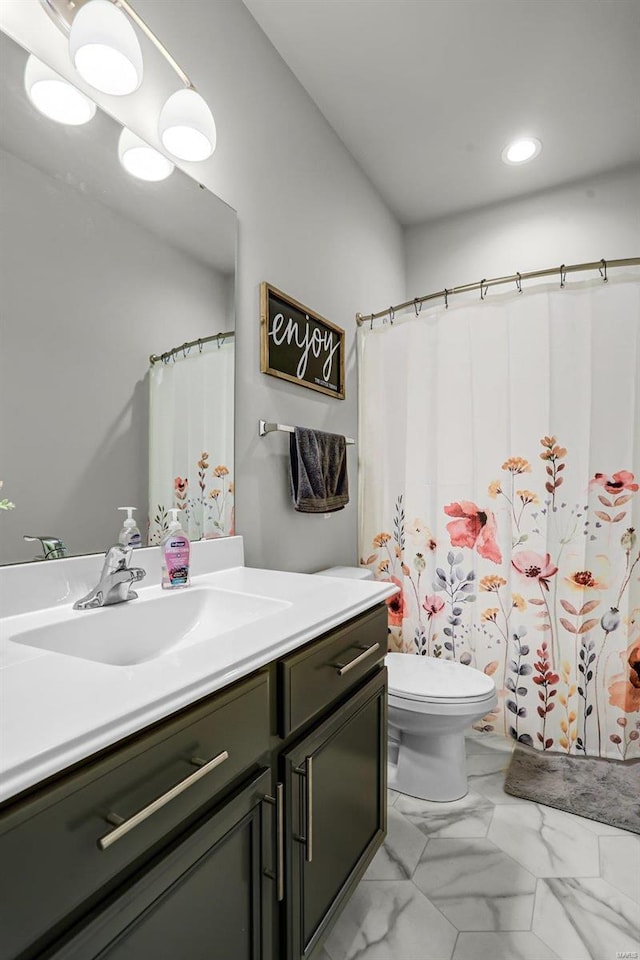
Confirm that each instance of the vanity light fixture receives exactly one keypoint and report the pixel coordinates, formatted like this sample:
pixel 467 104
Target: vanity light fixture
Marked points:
pixel 186 126
pixel 54 96
pixel 521 151
pixel 106 52
pixel 104 48
pixel 141 160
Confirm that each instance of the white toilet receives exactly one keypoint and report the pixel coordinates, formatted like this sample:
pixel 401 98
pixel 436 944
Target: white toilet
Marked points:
pixel 431 704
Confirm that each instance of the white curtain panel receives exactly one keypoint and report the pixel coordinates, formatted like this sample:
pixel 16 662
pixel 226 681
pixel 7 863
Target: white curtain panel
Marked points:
pixel 500 469
pixel 191 443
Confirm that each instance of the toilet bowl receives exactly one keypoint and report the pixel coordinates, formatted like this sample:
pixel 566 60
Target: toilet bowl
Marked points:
pixel 431 704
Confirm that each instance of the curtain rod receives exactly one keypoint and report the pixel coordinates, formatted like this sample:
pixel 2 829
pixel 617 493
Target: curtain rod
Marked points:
pixel 185 347
pixel 517 278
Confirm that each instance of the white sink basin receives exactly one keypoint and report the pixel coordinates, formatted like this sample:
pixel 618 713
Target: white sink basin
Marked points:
pixel 149 627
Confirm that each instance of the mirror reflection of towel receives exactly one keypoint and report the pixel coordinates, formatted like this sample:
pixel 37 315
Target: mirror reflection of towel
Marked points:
pixel 318 471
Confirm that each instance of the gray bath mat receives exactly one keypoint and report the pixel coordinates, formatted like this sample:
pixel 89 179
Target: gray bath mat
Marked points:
pixel 593 787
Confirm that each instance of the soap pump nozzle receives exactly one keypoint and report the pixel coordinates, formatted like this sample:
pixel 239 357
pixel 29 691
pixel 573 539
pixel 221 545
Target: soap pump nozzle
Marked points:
pixel 174 522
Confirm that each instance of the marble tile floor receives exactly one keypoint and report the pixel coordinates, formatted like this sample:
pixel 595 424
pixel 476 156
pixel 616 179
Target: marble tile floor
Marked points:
pixel 493 877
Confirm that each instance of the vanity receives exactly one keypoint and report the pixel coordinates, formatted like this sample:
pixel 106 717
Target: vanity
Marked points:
pixel 220 797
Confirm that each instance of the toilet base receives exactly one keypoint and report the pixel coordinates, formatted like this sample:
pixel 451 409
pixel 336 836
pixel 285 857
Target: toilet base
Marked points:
pixel 431 767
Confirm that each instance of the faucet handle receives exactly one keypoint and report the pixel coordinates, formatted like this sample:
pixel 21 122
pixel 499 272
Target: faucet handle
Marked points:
pixel 117 557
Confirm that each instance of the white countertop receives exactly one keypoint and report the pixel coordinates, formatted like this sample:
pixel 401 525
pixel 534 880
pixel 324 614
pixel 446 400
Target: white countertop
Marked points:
pixel 56 710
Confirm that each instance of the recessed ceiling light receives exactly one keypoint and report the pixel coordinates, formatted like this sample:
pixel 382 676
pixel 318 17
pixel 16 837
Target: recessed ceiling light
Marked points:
pixel 55 97
pixel 520 151
pixel 141 160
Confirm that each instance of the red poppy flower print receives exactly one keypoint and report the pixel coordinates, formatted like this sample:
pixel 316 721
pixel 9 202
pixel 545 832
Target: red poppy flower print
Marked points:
pixel 180 485
pixel 535 566
pixel 622 480
pixel 395 605
pixel 474 528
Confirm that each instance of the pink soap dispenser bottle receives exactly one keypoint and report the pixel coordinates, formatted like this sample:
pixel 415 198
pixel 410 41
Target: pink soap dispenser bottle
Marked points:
pixel 174 551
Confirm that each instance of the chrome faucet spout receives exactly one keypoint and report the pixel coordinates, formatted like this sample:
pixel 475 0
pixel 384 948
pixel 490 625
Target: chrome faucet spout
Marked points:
pixel 114 585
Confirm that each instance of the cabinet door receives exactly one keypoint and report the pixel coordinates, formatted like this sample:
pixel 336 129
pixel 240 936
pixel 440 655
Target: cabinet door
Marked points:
pixel 209 896
pixel 335 788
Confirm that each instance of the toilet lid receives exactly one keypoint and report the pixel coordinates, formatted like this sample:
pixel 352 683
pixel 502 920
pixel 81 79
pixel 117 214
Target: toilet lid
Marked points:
pixel 426 678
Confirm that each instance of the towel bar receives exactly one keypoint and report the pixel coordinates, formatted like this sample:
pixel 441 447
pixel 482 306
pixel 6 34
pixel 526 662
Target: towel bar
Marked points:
pixel 265 427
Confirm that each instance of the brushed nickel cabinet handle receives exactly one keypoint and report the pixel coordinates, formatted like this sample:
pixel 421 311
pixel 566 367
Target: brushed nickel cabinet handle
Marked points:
pixel 367 651
pixel 278 876
pixel 125 826
pixel 306 771
pixel 309 808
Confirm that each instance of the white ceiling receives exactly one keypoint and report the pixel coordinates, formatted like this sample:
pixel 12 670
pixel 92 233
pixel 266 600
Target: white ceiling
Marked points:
pixel 426 93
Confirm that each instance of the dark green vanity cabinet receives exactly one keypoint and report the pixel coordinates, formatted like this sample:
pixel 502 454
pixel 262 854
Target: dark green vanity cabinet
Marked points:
pixel 208 896
pixel 235 829
pixel 335 790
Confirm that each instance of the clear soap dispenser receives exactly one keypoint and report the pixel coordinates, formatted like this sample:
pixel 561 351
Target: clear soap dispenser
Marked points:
pixel 129 535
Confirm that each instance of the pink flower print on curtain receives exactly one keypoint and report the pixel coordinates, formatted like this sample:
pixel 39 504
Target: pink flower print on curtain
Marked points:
pixel 620 481
pixel 475 528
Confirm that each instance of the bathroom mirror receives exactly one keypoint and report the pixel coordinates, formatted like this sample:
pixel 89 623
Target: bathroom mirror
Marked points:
pixel 100 270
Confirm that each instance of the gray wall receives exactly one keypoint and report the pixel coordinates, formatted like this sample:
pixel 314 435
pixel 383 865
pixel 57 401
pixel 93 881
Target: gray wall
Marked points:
pixel 86 297
pixel 309 222
pixel 582 222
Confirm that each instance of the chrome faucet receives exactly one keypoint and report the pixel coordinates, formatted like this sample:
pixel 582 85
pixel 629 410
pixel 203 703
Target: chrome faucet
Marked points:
pixel 53 548
pixel 114 585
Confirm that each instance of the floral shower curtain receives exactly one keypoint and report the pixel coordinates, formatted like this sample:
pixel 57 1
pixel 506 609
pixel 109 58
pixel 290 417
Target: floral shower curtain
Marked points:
pixel 191 443
pixel 500 446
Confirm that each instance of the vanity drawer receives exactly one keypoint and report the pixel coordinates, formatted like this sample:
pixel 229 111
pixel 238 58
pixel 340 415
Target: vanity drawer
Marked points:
pixel 56 847
pixel 324 670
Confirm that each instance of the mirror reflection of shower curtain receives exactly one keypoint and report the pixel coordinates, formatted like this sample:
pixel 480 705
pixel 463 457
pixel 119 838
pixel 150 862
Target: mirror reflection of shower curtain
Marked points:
pixel 500 489
pixel 191 443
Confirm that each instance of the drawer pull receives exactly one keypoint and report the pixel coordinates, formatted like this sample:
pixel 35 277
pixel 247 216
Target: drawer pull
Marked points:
pixel 366 652
pixel 124 826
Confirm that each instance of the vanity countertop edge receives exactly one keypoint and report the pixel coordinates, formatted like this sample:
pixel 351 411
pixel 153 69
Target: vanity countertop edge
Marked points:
pixel 57 710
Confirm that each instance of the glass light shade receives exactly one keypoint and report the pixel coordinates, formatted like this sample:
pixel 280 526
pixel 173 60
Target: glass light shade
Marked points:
pixel 519 151
pixel 54 96
pixel 141 160
pixel 186 126
pixel 104 48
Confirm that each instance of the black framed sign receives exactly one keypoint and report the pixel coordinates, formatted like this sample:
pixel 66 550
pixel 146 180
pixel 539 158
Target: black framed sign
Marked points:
pixel 299 345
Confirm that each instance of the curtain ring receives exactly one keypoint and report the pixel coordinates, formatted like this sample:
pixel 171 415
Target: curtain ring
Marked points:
pixel 519 282
pixel 199 345
pixel 603 268
pixel 392 315
pixel 416 307
pixel 185 350
pixel 483 288
pixel 220 341
pixel 446 299
pixel 563 275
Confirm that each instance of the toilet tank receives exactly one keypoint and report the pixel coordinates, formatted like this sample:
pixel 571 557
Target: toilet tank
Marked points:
pixel 347 573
